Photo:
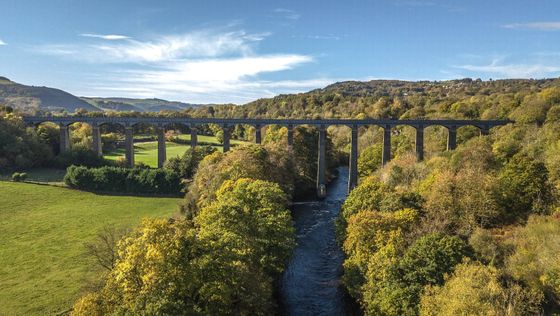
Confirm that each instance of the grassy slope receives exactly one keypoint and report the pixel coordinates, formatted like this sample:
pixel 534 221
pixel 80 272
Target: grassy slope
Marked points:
pixel 146 152
pixel 43 229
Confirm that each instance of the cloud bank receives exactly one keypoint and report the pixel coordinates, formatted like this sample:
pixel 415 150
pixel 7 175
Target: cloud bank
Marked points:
pixel 200 66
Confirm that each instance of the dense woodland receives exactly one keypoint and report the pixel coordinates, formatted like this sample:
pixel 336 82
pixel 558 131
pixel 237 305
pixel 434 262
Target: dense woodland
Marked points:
pixel 473 231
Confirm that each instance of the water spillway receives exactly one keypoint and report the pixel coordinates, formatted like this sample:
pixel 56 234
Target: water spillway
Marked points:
pixel 310 284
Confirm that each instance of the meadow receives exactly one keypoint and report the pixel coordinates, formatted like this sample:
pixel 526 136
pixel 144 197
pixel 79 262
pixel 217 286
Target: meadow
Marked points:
pixel 146 152
pixel 44 265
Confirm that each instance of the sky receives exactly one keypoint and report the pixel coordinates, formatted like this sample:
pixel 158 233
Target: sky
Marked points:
pixel 211 51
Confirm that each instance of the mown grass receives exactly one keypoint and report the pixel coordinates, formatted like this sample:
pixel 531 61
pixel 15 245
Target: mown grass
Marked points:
pixel 146 152
pixel 43 229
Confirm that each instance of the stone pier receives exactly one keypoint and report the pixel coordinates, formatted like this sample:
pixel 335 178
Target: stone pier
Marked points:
pixel 129 146
pixel 162 152
pixel 194 136
pixel 64 138
pixel 419 143
pixel 322 163
pixel 290 135
pixel 226 131
pixel 97 145
pixel 451 137
pixel 353 163
pixel 386 144
pixel 258 134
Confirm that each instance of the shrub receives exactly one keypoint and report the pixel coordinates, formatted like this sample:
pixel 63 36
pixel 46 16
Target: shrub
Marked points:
pixel 80 156
pixel 116 179
pixel 186 165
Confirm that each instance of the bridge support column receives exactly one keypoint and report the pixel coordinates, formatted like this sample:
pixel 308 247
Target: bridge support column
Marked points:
pixel 386 144
pixel 353 167
pixel 129 146
pixel 290 136
pixel 485 130
pixel 258 134
pixel 97 144
pixel 162 153
pixel 226 138
pixel 321 163
pixel 64 138
pixel 451 137
pixel 420 143
pixel 194 137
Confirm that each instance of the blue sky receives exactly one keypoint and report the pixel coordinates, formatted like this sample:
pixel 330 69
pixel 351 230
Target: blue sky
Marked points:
pixel 236 51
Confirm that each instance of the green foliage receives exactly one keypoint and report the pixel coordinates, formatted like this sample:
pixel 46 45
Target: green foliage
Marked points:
pixel 155 273
pixel 370 160
pixel 79 156
pixel 250 216
pixel 395 288
pixel 255 162
pixel 20 147
pixel 185 166
pixel 116 179
pixel 535 259
pixel 222 264
pixel 524 187
pixel 475 289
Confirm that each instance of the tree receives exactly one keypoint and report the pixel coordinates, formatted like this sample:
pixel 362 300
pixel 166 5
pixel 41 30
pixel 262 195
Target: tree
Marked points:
pixel 250 216
pixel 252 161
pixel 395 288
pixel 155 273
pixel 370 159
pixel 535 258
pixel 524 187
pixel 185 166
pixel 475 289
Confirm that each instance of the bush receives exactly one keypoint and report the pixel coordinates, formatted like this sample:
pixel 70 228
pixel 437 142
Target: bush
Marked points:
pixel 79 156
pixel 19 177
pixel 186 165
pixel 116 179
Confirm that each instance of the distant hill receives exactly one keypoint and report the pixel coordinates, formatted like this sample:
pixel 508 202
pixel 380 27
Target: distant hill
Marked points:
pixel 31 98
pixel 141 105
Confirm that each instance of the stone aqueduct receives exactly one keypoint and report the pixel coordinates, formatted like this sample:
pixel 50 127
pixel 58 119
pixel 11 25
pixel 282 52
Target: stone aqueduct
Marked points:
pixel 160 123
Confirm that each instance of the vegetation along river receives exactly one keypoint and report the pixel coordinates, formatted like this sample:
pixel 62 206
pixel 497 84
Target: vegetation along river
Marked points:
pixel 311 283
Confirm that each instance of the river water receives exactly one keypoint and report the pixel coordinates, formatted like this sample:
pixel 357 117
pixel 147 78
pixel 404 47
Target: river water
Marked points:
pixel 311 283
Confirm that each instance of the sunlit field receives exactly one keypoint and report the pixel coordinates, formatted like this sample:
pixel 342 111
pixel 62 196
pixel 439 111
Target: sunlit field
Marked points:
pixel 43 265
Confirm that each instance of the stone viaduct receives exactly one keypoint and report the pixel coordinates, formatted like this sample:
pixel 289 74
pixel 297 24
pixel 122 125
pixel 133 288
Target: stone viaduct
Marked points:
pixel 160 123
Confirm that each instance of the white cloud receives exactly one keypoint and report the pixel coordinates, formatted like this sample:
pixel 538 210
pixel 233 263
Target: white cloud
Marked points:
pixel 514 70
pixel 200 67
pixel 110 37
pixel 213 80
pixel 2 42
pixel 200 44
pixel 544 26
pixel 288 14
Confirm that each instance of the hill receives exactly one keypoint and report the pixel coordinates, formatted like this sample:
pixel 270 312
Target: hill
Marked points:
pixel 140 105
pixel 32 98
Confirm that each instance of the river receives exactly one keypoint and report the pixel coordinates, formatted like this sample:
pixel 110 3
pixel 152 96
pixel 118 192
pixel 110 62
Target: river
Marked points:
pixel 311 283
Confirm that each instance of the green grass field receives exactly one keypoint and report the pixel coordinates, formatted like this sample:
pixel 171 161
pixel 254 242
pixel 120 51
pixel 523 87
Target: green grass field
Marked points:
pixel 43 229
pixel 146 152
